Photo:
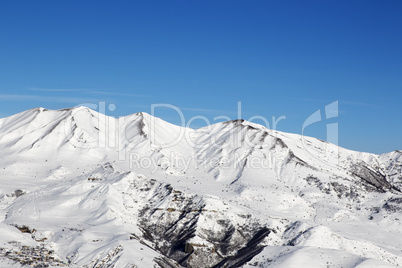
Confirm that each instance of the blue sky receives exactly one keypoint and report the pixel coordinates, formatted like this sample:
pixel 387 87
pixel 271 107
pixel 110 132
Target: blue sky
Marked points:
pixel 278 58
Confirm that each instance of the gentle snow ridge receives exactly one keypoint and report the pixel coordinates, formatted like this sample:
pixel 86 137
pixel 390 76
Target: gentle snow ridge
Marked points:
pixel 82 189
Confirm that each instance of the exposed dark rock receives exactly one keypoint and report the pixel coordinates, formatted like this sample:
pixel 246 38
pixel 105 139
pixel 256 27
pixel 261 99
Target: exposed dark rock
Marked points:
pixel 164 262
pixel 394 204
pixel 31 256
pixel 25 229
pixel 341 190
pixel 372 180
pixel 19 192
pixel 170 229
pixel 246 253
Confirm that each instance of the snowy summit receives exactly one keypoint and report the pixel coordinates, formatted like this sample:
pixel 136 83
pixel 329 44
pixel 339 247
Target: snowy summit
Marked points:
pixel 81 189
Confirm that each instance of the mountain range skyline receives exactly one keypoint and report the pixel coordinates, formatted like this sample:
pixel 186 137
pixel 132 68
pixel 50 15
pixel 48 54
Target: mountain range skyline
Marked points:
pixel 277 58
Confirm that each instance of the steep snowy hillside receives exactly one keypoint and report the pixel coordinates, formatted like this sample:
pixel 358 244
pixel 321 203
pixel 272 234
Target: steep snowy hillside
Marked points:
pixel 81 189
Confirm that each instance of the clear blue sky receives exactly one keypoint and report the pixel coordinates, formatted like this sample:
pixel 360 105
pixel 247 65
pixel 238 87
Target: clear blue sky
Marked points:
pixel 277 57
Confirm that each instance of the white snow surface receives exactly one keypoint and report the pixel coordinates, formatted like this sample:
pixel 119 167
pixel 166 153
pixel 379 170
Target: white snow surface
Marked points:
pixel 74 185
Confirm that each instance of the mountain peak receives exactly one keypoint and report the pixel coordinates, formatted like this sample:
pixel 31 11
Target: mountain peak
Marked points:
pixel 220 196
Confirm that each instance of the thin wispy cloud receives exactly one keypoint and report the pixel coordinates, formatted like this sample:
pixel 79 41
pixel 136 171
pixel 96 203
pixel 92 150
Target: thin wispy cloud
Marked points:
pixel 204 110
pixel 56 89
pixel 348 102
pixel 358 103
pixel 73 100
pixel 311 100
pixel 169 106
pixel 111 93
pixel 183 109
pixel 87 91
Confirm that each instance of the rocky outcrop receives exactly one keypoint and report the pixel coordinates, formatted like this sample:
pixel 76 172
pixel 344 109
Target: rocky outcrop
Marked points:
pixel 169 230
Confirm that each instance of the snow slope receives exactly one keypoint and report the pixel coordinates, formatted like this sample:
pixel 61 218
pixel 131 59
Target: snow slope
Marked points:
pixel 82 189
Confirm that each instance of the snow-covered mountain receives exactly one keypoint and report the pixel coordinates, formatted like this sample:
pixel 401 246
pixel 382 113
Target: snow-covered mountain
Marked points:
pixel 81 189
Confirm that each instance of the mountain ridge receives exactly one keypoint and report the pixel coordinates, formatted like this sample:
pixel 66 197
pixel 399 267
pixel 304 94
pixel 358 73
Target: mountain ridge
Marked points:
pixel 232 194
